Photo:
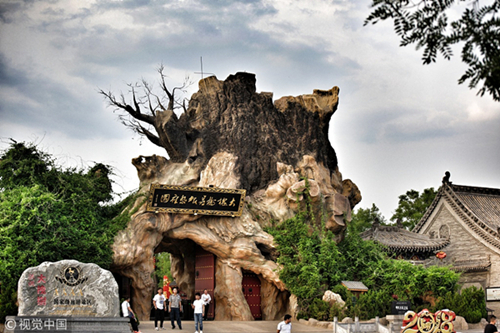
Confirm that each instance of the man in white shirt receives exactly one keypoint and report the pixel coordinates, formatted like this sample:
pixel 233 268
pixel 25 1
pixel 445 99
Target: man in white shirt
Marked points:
pixel 206 301
pixel 286 325
pixel 127 312
pixel 160 308
pixel 198 306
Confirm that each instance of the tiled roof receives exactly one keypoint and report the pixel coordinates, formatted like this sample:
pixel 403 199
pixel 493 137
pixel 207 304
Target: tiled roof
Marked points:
pixel 399 239
pixel 483 202
pixel 472 265
pixel 355 285
pixel 477 207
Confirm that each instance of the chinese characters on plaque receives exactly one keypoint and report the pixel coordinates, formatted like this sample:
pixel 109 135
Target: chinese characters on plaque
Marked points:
pixel 195 200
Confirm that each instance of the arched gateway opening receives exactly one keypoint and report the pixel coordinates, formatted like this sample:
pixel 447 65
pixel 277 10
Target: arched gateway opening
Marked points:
pixel 195 269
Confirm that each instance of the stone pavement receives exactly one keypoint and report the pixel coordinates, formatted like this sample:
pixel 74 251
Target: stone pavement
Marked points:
pixel 245 326
pixel 242 326
pixel 231 327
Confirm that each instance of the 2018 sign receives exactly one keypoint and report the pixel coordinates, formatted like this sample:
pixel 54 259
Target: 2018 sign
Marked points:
pixel 195 200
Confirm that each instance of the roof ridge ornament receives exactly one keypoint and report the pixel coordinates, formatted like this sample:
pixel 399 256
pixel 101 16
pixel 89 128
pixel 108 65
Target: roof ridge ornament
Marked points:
pixel 446 178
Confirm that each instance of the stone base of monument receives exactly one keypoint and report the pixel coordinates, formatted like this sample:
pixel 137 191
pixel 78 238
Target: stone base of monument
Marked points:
pixel 67 324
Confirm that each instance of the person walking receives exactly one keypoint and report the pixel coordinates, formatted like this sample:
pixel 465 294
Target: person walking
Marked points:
pixel 286 325
pixel 198 306
pixel 206 301
pixel 127 312
pixel 491 326
pixel 160 308
pixel 175 308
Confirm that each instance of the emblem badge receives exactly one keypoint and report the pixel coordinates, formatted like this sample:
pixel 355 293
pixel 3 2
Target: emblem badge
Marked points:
pixel 71 276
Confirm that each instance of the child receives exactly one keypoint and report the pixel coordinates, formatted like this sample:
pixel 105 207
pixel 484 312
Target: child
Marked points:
pixel 199 307
pixel 286 325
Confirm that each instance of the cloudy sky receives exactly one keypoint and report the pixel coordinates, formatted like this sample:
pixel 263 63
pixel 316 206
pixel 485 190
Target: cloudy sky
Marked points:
pixel 399 126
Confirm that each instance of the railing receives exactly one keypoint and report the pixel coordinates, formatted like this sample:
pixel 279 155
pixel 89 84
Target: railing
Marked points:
pixel 411 322
pixel 373 327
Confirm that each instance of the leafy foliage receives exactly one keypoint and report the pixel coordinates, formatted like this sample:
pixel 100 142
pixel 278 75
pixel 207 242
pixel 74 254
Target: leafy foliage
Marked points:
pixel 308 254
pixel 163 267
pixel 363 218
pixel 412 206
pixel 367 261
pixel 470 304
pixel 426 24
pixel 318 309
pixel 311 262
pixel 50 214
pixel 308 260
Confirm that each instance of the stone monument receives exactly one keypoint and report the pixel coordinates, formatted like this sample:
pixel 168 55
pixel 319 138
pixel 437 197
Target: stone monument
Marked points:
pixel 67 296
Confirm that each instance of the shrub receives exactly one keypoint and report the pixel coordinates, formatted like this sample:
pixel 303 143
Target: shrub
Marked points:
pixel 469 304
pixel 319 310
pixel 338 311
pixel 311 262
pixel 48 214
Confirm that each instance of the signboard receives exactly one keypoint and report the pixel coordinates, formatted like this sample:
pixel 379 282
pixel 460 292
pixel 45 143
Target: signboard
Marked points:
pixel 492 294
pixel 400 307
pixel 195 200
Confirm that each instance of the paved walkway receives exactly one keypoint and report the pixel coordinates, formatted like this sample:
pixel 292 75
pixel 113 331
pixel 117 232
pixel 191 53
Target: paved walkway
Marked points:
pixel 244 326
pixel 231 327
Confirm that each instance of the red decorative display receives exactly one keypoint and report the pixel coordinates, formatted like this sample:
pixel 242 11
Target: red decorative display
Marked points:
pixel 427 322
pixel 441 255
pixel 167 291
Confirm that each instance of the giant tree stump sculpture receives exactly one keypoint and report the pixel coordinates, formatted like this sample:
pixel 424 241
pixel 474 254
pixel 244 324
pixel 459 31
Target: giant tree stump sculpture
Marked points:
pixel 230 136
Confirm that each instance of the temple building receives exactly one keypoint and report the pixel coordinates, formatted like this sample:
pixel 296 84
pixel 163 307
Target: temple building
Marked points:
pixel 469 218
pixel 403 244
pixel 462 224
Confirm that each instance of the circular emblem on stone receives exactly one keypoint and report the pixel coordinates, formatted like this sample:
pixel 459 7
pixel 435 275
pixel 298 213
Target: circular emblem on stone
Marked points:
pixel 71 274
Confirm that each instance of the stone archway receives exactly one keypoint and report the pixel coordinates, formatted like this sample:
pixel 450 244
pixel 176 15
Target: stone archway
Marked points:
pixel 236 138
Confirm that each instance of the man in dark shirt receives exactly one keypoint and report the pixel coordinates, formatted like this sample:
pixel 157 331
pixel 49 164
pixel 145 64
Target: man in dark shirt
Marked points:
pixel 491 328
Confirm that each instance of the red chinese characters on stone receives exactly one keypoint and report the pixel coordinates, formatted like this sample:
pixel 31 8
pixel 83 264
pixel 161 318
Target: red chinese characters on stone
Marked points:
pixel 41 301
pixel 41 279
pixel 40 290
pixel 31 280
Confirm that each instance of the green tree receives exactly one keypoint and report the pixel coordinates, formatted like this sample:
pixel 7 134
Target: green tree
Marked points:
pixel 412 206
pixel 363 218
pixel 308 255
pixel 48 214
pixel 163 267
pixel 426 24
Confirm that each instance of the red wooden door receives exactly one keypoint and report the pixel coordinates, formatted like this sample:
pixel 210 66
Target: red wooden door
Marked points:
pixel 251 290
pixel 205 276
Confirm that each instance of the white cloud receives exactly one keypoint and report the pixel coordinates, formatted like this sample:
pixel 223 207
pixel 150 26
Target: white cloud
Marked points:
pixel 399 124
